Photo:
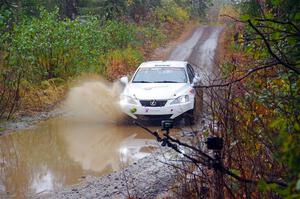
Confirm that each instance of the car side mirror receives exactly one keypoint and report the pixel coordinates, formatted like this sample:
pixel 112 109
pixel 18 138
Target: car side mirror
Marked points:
pixel 124 80
pixel 196 80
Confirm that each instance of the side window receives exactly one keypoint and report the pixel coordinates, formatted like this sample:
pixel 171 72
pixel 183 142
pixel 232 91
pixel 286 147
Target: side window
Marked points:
pixel 191 68
pixel 190 73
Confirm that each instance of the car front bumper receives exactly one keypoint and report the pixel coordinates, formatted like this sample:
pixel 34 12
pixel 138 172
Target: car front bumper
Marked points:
pixel 138 111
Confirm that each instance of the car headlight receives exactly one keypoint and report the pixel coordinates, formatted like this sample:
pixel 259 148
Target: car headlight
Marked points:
pixel 181 99
pixel 129 100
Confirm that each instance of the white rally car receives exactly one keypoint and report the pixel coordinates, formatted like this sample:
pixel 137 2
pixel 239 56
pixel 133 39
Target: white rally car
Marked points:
pixel 162 90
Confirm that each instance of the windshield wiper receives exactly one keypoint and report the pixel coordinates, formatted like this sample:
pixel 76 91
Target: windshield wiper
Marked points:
pixel 166 81
pixel 141 82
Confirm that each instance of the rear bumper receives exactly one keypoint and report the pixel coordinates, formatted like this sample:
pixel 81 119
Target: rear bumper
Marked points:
pixel 166 112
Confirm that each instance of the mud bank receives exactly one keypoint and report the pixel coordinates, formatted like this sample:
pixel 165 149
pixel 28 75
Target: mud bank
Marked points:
pixel 29 121
pixel 140 180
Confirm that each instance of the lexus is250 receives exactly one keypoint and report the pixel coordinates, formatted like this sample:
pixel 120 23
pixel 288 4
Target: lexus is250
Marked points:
pixel 161 89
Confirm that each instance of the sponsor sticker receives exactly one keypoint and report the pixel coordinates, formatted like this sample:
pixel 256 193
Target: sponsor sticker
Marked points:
pixel 133 110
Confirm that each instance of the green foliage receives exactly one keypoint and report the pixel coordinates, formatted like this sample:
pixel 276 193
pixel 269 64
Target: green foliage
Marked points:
pixel 282 102
pixel 5 15
pixel 141 9
pixel 119 34
pixel 104 9
pixel 271 96
pixel 251 7
pixel 47 47
pixel 112 9
pixel 286 123
pixel 171 12
pixel 121 61
pixel 196 8
pixel 150 34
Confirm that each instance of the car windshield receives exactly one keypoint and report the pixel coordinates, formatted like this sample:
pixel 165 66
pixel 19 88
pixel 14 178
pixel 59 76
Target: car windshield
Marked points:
pixel 160 75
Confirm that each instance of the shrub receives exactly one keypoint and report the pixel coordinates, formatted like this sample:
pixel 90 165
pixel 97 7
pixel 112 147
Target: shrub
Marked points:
pixel 121 62
pixel 46 47
pixel 151 36
pixel 171 12
pixel 119 34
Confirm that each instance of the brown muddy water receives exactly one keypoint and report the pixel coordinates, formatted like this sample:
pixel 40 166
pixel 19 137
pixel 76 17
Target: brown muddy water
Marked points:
pixel 62 152
pixel 88 141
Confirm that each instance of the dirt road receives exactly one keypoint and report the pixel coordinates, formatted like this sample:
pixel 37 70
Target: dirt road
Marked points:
pixel 151 176
pixel 199 50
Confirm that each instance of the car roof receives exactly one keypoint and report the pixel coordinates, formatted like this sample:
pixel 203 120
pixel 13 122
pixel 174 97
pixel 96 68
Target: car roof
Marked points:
pixel 163 64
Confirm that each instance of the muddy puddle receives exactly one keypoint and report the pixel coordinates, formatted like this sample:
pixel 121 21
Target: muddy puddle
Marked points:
pixel 87 141
pixel 63 152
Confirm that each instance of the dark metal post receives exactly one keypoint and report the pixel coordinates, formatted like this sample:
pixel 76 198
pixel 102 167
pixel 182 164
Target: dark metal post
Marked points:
pixel 218 175
pixel 216 145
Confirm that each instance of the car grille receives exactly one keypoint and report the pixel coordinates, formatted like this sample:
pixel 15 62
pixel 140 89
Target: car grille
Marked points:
pixel 153 103
pixel 153 117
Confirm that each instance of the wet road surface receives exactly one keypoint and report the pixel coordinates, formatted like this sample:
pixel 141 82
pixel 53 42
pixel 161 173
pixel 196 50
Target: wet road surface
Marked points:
pixel 200 50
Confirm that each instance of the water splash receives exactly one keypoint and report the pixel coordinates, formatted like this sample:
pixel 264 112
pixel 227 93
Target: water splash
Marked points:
pixel 96 100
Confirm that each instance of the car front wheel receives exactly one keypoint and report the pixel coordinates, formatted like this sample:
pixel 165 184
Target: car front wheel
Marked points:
pixel 193 115
pixel 189 118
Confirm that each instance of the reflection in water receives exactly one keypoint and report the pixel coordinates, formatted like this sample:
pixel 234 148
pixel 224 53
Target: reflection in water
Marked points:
pixel 61 152
pixel 90 145
pixel 43 182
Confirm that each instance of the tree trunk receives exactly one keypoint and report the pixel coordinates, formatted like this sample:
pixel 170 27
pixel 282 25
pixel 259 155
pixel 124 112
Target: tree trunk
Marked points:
pixel 68 8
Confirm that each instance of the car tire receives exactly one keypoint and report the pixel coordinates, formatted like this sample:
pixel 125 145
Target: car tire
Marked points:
pixel 189 118
pixel 192 116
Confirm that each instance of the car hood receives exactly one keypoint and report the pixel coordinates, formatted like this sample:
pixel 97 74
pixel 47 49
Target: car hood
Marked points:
pixel 156 90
